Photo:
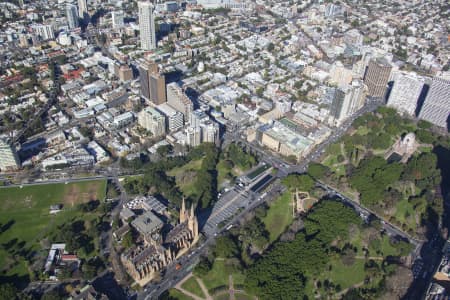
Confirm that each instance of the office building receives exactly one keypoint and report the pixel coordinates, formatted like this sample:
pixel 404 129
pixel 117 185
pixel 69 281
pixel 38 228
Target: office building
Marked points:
pixel 209 132
pixel 346 101
pixel 197 117
pixel 117 19
pixel 147 26
pixel 178 100
pixel 153 121
pixel 436 107
pixel 405 93
pixel 153 84
pixel 45 32
pixel 174 119
pixel 72 16
pixel 8 157
pixel 83 10
pixel 124 72
pixel 194 136
pixel 377 77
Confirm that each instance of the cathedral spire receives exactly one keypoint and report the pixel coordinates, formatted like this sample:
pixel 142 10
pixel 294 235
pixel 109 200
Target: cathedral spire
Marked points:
pixel 183 211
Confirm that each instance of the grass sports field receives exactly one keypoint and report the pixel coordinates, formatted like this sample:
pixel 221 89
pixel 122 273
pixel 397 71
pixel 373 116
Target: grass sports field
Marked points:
pixel 25 219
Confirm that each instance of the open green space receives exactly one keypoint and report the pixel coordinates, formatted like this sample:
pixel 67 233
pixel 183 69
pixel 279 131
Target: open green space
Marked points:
pixel 279 216
pixel 191 285
pixel 185 176
pixel 405 213
pixel 176 294
pixel 26 220
pixel 345 276
pixel 193 165
pixel 219 275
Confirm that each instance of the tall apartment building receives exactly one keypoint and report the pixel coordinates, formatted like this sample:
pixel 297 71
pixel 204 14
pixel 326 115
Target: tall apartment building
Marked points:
pixel 346 101
pixel 209 132
pixel 117 19
pixel 405 93
pixel 147 26
pixel 436 107
pixel 72 16
pixel 197 117
pixel 174 119
pixel 82 9
pixel 8 157
pixel 377 77
pixel 153 84
pixel 178 100
pixel 194 136
pixel 153 121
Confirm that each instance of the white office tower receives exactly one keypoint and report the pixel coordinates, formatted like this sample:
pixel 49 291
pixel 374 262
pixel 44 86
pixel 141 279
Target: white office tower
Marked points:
pixel 178 100
pixel 82 9
pixel 197 117
pixel 147 26
pixel 117 19
pixel 45 32
pixel 153 121
pixel 193 136
pixel 210 132
pixel 8 157
pixel 72 16
pixel 436 107
pixel 406 92
pixel 174 119
pixel 346 101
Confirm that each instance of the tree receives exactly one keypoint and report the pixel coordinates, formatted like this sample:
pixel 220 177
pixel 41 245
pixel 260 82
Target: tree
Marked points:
pixel 225 247
pixel 302 182
pixel 52 295
pixel 8 291
pixel 203 267
pixel 318 171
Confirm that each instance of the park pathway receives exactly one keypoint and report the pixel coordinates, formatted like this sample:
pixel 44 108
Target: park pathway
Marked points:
pixel 203 287
pixel 231 288
pixel 193 296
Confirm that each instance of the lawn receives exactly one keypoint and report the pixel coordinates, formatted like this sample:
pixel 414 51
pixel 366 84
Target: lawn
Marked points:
pixel 279 216
pixel 191 285
pixel 346 276
pixel 176 294
pixel 218 276
pixel 194 165
pixel 25 219
pixel 362 130
pixel 186 184
pixel 405 213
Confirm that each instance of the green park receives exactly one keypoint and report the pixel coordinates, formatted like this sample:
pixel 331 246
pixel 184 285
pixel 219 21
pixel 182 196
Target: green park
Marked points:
pixel 28 227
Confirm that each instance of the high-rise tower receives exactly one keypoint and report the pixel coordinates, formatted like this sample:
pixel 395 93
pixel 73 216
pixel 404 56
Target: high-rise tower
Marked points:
pixel 153 84
pixel 377 77
pixel 405 93
pixel 72 16
pixel 82 9
pixel 436 107
pixel 147 26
